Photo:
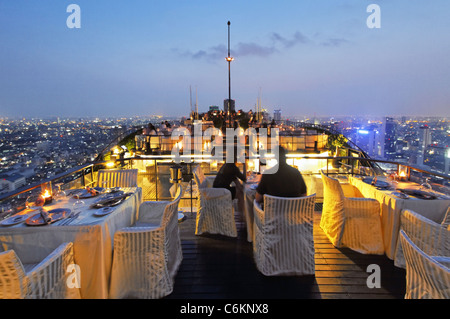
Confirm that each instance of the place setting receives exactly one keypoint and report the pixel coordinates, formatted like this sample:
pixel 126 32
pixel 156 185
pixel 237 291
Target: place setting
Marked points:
pixel 39 217
pixel 87 192
pixel 46 218
pixel 379 184
pixel 106 204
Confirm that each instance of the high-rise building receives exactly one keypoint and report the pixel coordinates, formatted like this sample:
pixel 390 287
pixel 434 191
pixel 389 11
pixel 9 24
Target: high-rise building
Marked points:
pixel 389 130
pixel 277 116
pixel 424 141
pixel 230 103
pixel 367 139
pixel 447 162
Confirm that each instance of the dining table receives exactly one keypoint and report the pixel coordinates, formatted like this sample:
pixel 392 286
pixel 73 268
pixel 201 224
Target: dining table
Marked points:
pixel 395 196
pixel 87 221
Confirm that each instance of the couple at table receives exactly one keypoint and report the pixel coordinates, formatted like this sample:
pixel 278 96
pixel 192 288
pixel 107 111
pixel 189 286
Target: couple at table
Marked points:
pixel 281 180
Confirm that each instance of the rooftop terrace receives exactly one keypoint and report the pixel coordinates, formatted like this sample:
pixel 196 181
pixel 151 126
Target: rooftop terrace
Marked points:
pixel 219 267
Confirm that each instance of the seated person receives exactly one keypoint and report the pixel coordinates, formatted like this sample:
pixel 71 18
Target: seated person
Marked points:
pixel 281 180
pixel 227 174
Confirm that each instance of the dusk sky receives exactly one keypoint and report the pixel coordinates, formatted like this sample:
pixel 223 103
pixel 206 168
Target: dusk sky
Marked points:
pixel 132 58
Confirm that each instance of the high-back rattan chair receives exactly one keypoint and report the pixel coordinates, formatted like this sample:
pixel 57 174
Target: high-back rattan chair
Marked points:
pixel 432 238
pixel 446 220
pixel 427 277
pixel 284 243
pixel 147 255
pixel 117 178
pixel 351 222
pixel 215 213
pixel 48 279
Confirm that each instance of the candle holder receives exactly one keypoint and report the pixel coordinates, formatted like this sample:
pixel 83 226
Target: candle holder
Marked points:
pixel 403 173
pixel 47 194
pixel 175 178
pixel 175 174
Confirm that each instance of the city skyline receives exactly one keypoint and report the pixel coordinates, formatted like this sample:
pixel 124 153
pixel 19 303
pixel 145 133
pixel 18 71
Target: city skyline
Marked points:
pixel 313 59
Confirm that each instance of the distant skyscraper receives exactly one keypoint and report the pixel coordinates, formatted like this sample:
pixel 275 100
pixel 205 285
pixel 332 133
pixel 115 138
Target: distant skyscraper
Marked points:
pixel 447 162
pixel 389 129
pixel 425 136
pixel 277 116
pixel 367 140
pixel 232 105
pixel 424 141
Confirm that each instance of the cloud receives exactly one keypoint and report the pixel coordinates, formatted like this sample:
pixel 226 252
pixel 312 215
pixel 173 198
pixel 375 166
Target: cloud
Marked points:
pixel 245 49
pixel 278 43
pixel 221 51
pixel 298 38
pixel 334 42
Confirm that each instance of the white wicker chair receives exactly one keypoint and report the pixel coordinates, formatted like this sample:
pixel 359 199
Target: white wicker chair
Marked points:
pixel 45 280
pixel 117 178
pixel 446 220
pixel 427 277
pixel 215 213
pixel 351 222
pixel 147 255
pixel 284 243
pixel 432 238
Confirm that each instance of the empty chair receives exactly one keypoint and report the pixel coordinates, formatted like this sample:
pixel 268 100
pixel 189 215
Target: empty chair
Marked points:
pixel 446 220
pixel 215 213
pixel 284 243
pixel 117 178
pixel 147 255
pixel 434 238
pixel 48 279
pixel 351 222
pixel 201 180
pixel 427 277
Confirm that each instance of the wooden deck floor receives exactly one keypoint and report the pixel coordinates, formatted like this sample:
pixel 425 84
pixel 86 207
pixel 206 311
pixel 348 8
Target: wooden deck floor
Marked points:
pixel 218 267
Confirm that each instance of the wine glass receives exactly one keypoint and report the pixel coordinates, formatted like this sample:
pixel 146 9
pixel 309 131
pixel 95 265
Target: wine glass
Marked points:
pixel 60 194
pixel 78 206
pixel 104 186
pixel 393 179
pixel 34 201
pixel 426 185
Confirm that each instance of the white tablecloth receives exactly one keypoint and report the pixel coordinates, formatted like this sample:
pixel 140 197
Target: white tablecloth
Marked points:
pixel 391 207
pixel 249 196
pixel 92 237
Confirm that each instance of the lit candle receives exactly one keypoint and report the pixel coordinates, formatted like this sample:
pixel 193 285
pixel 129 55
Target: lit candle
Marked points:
pixel 47 197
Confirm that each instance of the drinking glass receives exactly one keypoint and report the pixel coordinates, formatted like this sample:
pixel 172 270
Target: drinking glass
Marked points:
pixel 77 206
pixel 60 194
pixel 34 201
pixel 426 185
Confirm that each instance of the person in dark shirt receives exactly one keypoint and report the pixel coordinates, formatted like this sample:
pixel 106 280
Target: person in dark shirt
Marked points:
pixel 227 174
pixel 281 180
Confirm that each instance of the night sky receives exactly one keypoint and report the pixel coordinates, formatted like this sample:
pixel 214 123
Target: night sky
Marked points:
pixel 306 57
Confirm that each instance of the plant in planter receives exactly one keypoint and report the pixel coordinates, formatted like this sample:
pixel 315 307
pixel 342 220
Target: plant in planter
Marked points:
pixel 335 142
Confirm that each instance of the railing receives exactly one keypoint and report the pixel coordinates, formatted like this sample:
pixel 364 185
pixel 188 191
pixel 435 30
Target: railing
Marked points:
pixel 154 175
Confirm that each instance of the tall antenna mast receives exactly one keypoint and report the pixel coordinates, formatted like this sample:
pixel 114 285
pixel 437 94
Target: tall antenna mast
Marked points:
pixel 229 59
pixel 196 104
pixel 259 110
pixel 190 97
